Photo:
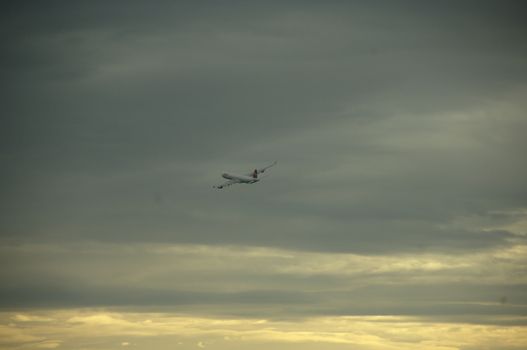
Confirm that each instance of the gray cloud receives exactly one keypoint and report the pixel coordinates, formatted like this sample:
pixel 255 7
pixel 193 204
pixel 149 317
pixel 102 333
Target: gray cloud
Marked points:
pixel 399 131
pixel 255 282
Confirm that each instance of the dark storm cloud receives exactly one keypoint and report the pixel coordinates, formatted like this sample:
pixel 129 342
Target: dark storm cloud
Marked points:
pixel 37 296
pixel 399 129
pixel 450 302
pixel 193 74
pixel 108 106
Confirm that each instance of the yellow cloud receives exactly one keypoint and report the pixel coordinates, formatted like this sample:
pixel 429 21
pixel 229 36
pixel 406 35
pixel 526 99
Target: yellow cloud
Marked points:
pixel 99 328
pixel 30 318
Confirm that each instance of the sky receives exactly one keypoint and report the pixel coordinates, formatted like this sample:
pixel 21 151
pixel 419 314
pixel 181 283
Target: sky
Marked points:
pixel 396 217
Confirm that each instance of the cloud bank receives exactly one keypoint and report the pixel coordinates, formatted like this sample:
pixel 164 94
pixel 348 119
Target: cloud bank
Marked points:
pixel 400 193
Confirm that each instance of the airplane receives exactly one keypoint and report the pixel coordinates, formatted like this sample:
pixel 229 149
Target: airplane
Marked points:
pixel 243 179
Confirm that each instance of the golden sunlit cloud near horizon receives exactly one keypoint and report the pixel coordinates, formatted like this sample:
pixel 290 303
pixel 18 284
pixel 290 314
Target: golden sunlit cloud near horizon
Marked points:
pixel 287 323
pixel 101 329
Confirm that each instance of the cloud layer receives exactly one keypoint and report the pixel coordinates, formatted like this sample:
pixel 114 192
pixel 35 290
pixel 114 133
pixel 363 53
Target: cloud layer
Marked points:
pixel 399 131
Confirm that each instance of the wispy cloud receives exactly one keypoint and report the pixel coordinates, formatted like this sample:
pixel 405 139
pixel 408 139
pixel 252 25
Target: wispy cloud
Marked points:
pixel 246 280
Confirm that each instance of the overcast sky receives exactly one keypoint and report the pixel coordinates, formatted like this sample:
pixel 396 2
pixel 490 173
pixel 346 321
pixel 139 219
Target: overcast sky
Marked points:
pixel 395 218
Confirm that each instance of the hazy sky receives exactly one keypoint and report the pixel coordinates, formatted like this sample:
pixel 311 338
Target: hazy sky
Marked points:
pixel 396 217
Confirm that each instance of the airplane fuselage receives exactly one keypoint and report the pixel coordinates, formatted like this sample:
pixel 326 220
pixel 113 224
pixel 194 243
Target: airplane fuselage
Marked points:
pixel 250 178
pixel 241 178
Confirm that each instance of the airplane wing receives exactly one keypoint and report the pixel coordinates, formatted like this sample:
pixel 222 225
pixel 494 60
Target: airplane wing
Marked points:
pixel 261 170
pixel 226 184
pixel 267 167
